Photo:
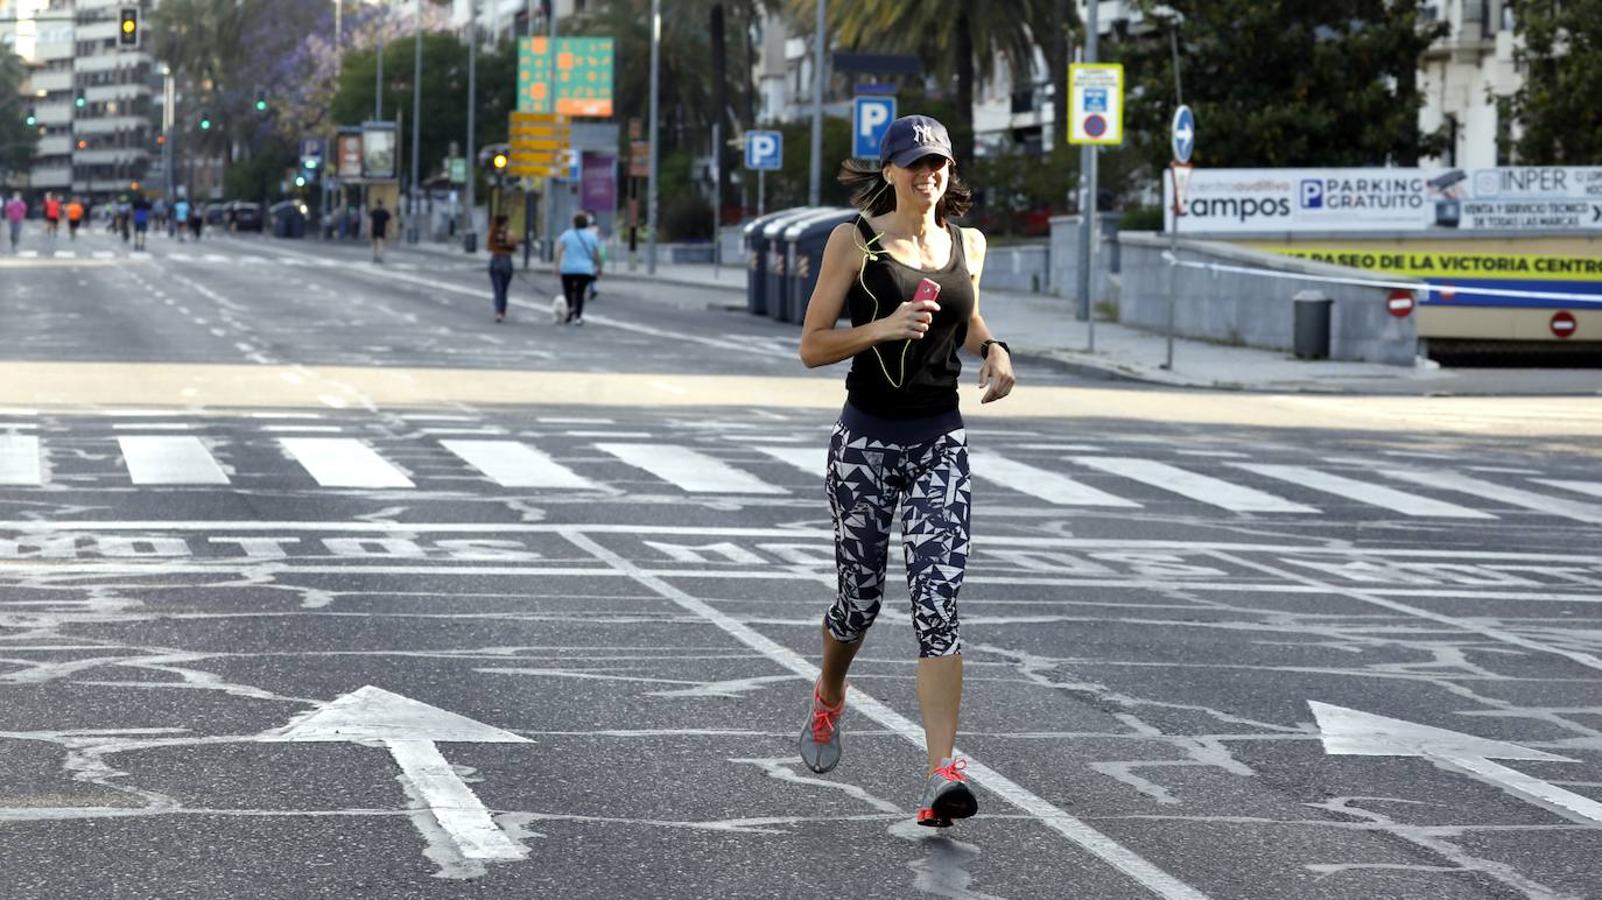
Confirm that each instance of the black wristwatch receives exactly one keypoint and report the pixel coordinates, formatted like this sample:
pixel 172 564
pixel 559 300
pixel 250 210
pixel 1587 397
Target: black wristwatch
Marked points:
pixel 984 348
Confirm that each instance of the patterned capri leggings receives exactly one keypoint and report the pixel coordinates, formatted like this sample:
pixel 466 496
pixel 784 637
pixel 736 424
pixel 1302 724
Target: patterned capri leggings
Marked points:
pixel 865 481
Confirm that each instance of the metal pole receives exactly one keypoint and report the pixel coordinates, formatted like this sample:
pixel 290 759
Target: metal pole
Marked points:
pixel 417 119
pixel 815 178
pixel 526 181
pixel 169 117
pixel 378 84
pixel 717 194
pixel 1173 233
pixel 1087 201
pixel 469 237
pixel 650 193
pixel 550 181
pixel 762 190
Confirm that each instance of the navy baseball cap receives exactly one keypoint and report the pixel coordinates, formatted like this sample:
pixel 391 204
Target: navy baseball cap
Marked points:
pixel 911 138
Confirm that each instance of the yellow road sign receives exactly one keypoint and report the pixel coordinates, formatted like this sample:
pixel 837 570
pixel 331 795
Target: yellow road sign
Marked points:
pixel 538 146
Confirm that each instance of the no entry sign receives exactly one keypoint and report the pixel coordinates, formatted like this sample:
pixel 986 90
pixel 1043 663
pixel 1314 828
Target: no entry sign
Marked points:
pixel 1563 324
pixel 1399 303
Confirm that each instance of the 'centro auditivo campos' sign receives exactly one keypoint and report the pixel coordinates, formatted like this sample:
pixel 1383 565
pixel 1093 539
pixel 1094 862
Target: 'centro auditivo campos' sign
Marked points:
pixel 1280 201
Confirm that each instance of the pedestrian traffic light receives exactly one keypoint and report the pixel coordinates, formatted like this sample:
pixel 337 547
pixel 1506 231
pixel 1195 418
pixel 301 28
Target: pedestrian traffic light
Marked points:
pixel 32 119
pixel 128 36
pixel 261 101
pixel 205 121
pixel 499 161
pixel 83 144
pixel 161 140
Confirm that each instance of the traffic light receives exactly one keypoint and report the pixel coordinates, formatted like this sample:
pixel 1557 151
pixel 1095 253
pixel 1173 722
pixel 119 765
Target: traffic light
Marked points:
pixel 133 185
pixel 80 101
pixel 83 144
pixel 499 161
pixel 32 119
pixel 161 140
pixel 128 35
pixel 300 181
pixel 261 101
pixel 205 121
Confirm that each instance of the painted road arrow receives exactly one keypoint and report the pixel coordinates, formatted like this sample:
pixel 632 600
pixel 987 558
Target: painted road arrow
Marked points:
pixel 1348 732
pixel 409 730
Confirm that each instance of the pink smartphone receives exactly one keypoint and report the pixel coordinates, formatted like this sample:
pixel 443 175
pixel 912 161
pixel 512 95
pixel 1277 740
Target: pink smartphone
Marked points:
pixel 927 290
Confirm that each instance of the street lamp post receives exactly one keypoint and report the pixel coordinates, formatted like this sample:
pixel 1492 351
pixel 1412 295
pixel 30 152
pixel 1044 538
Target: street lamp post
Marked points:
pixel 469 236
pixel 1087 202
pixel 815 179
pixel 650 195
pixel 417 119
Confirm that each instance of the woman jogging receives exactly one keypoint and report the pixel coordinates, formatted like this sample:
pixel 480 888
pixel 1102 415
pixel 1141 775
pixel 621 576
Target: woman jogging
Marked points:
pixel 909 278
pixel 501 247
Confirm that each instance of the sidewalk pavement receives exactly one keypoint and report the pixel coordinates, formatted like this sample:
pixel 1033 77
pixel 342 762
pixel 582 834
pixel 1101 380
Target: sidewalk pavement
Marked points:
pixel 1041 328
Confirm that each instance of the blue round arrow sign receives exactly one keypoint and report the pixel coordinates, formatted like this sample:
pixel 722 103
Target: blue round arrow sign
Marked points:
pixel 1184 134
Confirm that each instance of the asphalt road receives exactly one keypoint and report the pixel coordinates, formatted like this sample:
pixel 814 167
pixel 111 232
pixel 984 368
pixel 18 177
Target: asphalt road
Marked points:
pixel 555 647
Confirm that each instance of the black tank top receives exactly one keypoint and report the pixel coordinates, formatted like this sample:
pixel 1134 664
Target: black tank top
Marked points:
pixel 908 379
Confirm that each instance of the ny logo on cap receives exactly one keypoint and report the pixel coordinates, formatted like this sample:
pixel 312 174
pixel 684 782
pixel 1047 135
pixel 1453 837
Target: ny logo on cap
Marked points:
pixel 923 134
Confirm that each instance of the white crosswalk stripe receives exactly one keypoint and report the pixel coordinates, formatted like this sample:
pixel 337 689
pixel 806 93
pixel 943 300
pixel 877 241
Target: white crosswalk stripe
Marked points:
pixel 1209 490
pixel 29 254
pixel 169 459
pixel 516 464
pixel 20 462
pixel 1364 492
pixel 1446 480
pixel 344 462
pixel 811 460
pixel 66 254
pixel 1049 486
pixel 689 470
pixel 1593 488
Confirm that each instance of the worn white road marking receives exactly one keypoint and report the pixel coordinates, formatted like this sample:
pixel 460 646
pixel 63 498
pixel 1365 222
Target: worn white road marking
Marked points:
pixel 1075 830
pixel 689 470
pixel 1350 732
pixel 1448 480
pixel 20 461
pixel 344 462
pixel 409 730
pixel 1364 492
pixel 1036 482
pixel 1209 490
pixel 811 460
pixel 162 459
pixel 1592 488
pixel 515 464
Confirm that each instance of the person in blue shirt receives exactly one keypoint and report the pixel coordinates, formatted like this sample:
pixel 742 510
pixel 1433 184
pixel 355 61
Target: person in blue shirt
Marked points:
pixel 578 261
pixel 180 218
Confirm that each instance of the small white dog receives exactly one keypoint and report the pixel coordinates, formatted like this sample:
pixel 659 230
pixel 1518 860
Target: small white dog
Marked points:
pixel 559 309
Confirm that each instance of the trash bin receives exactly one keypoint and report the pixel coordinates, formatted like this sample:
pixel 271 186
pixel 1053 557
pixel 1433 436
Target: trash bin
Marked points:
pixel 756 261
pixel 804 242
pixel 1310 337
pixel 775 284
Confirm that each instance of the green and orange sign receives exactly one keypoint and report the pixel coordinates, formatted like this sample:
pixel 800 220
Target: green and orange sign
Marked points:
pixel 583 80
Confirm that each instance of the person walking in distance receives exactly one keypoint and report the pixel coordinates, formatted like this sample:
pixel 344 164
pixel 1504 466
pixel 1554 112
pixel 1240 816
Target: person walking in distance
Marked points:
pixel 52 214
pixel 378 227
pixel 180 219
pixel 16 211
pixel 501 247
pixel 74 218
pixel 909 279
pixel 578 260
pixel 141 220
pixel 197 222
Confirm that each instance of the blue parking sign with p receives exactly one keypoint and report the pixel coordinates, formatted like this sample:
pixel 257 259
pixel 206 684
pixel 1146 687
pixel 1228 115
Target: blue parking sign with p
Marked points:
pixel 764 150
pixel 870 119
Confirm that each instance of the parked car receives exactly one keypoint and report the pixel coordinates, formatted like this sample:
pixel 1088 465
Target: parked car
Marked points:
pixel 215 214
pixel 246 216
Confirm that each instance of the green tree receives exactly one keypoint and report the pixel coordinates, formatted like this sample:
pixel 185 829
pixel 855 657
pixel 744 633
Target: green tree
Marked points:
pixel 1281 83
pixel 1556 110
pixel 958 43
pixel 17 140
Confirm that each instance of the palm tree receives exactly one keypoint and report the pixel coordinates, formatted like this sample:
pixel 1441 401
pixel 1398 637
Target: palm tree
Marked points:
pixel 962 43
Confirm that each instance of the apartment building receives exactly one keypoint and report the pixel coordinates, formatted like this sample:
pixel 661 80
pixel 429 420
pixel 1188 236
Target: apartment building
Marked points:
pixel 71 49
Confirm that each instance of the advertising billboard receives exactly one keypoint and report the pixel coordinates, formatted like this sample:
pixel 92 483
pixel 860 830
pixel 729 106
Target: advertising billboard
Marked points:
pixel 378 151
pixel 1282 201
pixel 348 155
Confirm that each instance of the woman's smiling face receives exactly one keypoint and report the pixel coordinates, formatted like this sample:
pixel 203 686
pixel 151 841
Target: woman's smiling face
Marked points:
pixel 924 181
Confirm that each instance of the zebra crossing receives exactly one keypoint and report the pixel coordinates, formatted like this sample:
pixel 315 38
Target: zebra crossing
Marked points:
pixel 210 258
pixel 622 463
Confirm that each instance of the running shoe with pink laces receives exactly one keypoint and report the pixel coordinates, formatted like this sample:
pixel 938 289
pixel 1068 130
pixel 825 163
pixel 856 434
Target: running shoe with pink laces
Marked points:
pixel 947 795
pixel 820 737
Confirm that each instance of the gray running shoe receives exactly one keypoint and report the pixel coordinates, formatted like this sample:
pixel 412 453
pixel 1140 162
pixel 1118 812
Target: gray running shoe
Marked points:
pixel 820 737
pixel 947 796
